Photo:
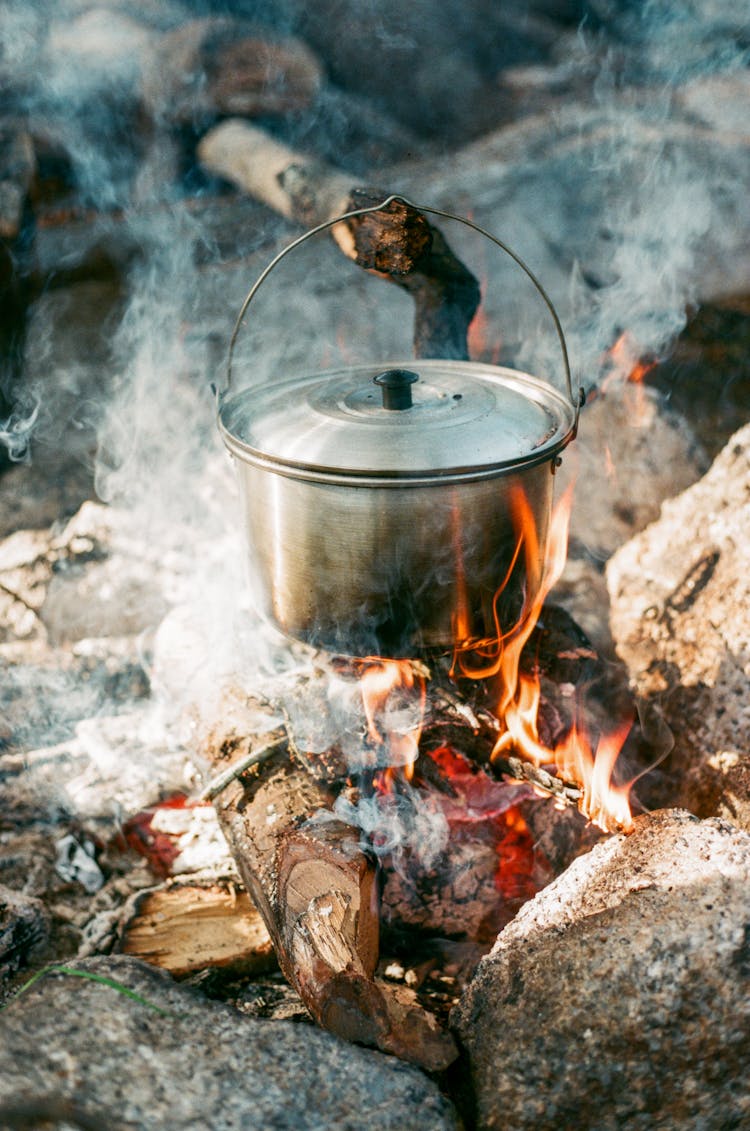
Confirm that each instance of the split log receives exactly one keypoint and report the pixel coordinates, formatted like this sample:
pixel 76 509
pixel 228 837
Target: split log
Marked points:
pixel 396 243
pixel 317 890
pixel 188 926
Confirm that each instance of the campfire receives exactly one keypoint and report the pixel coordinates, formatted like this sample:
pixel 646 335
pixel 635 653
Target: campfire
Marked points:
pixel 418 725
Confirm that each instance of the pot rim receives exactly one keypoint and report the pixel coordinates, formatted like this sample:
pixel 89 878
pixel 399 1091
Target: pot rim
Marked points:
pixel 545 451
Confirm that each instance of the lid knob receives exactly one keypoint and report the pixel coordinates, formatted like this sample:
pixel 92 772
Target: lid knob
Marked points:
pixel 395 385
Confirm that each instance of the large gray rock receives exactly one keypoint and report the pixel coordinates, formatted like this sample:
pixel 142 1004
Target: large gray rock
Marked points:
pixel 680 595
pixel 201 1065
pixel 620 995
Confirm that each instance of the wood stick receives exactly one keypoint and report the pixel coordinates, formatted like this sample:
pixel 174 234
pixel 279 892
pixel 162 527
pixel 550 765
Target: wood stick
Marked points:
pixel 318 892
pixel 396 243
pixel 253 757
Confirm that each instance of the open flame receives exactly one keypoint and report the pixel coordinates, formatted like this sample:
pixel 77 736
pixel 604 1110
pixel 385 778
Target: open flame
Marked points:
pixel 478 336
pixel 518 693
pixel 400 729
pixel 624 366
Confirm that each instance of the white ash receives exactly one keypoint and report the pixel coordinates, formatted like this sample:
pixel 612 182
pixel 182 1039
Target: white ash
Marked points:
pixel 198 838
pixel 76 862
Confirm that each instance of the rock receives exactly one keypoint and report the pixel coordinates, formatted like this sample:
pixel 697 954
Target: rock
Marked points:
pixel 582 592
pixel 630 455
pixel 24 929
pixel 620 995
pixel 203 1064
pixel 680 595
pixel 720 786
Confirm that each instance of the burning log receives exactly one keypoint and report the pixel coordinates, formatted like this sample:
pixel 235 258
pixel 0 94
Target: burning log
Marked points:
pixel 396 243
pixel 317 891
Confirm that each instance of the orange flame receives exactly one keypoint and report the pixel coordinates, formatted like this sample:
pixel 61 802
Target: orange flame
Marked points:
pixel 519 695
pixel 624 365
pixel 605 804
pixel 378 680
pixel 477 338
pixel 478 334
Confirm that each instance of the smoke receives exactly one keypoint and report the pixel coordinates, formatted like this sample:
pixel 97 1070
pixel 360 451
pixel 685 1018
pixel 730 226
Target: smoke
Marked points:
pixel 627 203
pixel 16 430
pixel 405 827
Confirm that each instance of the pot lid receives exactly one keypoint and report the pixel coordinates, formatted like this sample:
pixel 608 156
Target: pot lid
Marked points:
pixel 403 420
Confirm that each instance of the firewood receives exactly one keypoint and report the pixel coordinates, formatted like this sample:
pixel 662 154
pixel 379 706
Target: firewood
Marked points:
pixel 186 926
pixel 318 892
pixel 396 242
pixel 226 66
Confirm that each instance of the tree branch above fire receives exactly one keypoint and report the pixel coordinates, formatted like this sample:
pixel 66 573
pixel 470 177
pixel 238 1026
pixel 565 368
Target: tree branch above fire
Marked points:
pixel 396 243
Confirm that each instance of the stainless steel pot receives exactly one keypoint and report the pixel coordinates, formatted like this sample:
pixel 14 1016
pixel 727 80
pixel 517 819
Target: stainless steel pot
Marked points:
pixel 382 502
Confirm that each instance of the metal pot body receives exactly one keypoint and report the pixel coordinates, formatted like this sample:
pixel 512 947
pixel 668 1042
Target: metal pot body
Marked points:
pixel 390 511
pixel 393 570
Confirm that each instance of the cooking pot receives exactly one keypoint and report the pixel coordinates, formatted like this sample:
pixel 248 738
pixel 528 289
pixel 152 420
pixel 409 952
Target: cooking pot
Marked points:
pixel 382 503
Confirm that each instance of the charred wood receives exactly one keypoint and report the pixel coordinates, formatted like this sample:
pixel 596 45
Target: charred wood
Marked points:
pixel 224 66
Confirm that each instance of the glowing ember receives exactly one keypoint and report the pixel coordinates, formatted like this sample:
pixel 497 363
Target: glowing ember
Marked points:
pixel 492 806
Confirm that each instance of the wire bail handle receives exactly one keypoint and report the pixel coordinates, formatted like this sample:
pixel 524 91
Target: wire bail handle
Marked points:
pixel 576 402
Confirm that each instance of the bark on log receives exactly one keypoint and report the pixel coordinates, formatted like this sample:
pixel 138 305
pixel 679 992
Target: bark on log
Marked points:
pixel 396 243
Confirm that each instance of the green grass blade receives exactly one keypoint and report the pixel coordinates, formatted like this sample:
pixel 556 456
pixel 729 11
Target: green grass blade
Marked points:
pixel 91 977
